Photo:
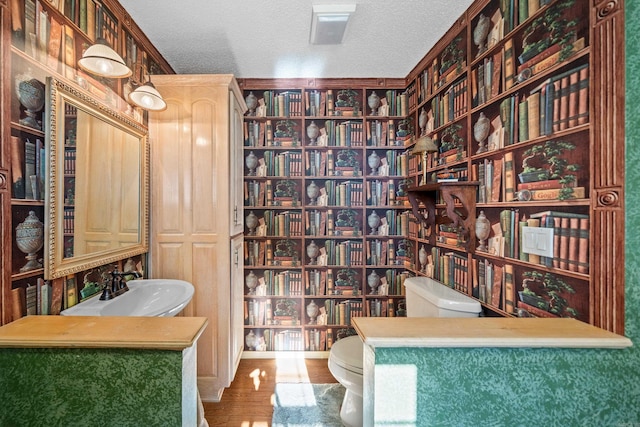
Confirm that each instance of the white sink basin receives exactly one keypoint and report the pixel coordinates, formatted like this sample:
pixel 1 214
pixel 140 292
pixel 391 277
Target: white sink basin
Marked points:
pixel 146 297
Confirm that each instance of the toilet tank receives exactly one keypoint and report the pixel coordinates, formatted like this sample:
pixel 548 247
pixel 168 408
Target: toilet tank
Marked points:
pixel 427 297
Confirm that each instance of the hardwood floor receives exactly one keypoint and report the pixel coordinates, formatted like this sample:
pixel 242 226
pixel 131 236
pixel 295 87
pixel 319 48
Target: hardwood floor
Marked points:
pixel 248 402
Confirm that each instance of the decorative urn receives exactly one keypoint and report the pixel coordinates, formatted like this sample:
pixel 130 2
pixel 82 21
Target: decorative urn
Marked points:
pixel 252 162
pixel 312 252
pixel 374 162
pixel 422 257
pixel 252 103
pixel 252 282
pixel 483 228
pixel 31 94
pixel 313 191
pixel 480 34
pixel 251 340
pixel 373 220
pixel 422 121
pixel 373 280
pixel 252 222
pixel 374 102
pixel 481 131
pixel 312 312
pixel 312 132
pixel 30 239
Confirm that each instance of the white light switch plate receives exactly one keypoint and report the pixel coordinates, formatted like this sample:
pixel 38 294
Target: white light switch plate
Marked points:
pixel 537 241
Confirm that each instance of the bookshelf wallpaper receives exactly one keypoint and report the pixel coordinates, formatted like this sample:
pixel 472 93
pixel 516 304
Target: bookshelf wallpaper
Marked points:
pixel 508 386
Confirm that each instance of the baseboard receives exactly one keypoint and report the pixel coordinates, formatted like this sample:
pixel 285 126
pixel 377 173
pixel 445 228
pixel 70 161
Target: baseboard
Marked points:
pixel 285 354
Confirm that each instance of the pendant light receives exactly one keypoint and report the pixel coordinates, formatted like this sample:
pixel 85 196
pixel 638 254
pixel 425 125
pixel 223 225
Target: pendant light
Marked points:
pixel 100 59
pixel 148 98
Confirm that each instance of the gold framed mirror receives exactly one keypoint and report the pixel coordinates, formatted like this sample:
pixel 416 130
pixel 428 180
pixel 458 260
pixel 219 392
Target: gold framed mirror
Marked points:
pixel 98 189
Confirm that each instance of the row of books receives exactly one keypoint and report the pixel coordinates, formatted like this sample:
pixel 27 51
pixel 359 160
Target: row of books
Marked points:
pixel 260 312
pixel 285 224
pixel 261 193
pixel 498 182
pixel 449 105
pixel 341 193
pixel 489 279
pixel 280 104
pixel 337 312
pixel 318 339
pixel 558 103
pixel 393 103
pixel 68 221
pixel 279 283
pixel 390 252
pixel 326 281
pixel 43 297
pixel 382 307
pixel 341 253
pixel 512 238
pixel 284 164
pixel 278 340
pixel 393 223
pixel 450 268
pixel 69 162
pixel 28 168
pixel 384 192
pixel 327 163
pixel 323 223
pixel 382 133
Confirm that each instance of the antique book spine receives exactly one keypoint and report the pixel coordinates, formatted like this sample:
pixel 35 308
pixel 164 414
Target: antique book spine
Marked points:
pixel 583 245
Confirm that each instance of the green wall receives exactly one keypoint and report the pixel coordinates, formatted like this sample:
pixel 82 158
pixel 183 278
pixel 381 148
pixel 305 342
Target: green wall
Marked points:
pixel 90 387
pixel 536 387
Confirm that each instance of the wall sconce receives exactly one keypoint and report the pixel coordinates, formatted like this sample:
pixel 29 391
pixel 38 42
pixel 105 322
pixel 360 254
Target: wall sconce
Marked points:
pixel 424 146
pixel 148 98
pixel 100 59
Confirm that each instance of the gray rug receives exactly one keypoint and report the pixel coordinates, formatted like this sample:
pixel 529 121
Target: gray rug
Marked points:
pixel 307 405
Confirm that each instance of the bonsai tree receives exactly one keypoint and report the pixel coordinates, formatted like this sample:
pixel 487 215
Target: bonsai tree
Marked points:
pixel 548 161
pixel 552 288
pixel 549 29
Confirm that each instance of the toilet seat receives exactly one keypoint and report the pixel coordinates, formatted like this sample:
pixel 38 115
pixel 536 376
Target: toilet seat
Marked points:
pixel 347 353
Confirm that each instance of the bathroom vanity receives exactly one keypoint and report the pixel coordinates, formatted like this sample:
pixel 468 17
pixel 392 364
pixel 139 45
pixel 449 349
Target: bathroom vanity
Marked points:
pixel 109 371
pixel 493 371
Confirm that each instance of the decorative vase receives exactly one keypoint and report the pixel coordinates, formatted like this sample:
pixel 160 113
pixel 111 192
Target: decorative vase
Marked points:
pixel 252 222
pixel 422 121
pixel 31 94
pixel 480 34
pixel 422 257
pixel 312 252
pixel 252 282
pixel 252 162
pixel 30 239
pixel 251 340
pixel 374 102
pixel 373 280
pixel 312 132
pixel 312 312
pixel 481 132
pixel 313 191
pixel 483 228
pixel 252 103
pixel 373 220
pixel 374 162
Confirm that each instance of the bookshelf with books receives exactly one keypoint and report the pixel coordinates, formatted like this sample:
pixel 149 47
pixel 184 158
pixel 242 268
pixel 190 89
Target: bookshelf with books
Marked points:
pixel 46 39
pixel 529 139
pixel 348 157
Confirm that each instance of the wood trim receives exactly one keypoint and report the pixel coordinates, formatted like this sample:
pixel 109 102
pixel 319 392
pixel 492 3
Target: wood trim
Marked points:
pixel 607 163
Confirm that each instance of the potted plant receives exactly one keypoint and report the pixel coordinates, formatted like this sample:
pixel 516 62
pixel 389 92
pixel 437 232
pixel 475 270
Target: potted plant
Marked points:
pixel 546 291
pixel 546 161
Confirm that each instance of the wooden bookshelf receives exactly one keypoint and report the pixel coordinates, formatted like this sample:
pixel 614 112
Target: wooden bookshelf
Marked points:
pixel 44 38
pixel 510 128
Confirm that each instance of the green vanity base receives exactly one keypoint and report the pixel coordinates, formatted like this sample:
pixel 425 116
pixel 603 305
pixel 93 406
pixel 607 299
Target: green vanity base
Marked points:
pixel 92 387
pixel 503 387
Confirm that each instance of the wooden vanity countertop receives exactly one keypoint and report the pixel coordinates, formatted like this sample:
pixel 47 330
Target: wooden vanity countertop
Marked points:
pixel 484 332
pixel 159 333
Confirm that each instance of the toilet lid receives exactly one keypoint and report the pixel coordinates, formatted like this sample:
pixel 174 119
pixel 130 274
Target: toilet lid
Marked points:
pixel 347 353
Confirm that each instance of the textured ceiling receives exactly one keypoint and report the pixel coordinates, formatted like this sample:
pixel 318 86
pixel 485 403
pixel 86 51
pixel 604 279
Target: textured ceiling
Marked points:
pixel 270 39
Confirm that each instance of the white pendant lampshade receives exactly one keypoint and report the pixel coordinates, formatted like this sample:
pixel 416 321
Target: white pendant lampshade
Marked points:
pixel 147 97
pixel 101 60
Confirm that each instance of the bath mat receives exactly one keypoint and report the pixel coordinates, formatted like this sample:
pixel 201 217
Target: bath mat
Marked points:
pixel 307 405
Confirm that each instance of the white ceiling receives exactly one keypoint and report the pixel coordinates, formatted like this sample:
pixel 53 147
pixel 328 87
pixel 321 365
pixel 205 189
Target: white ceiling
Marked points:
pixel 270 39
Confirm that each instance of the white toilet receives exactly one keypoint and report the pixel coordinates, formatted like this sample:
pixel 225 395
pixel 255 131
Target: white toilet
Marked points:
pixel 425 298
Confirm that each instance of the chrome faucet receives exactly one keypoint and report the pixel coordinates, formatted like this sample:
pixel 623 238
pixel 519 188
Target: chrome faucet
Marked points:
pixel 117 286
